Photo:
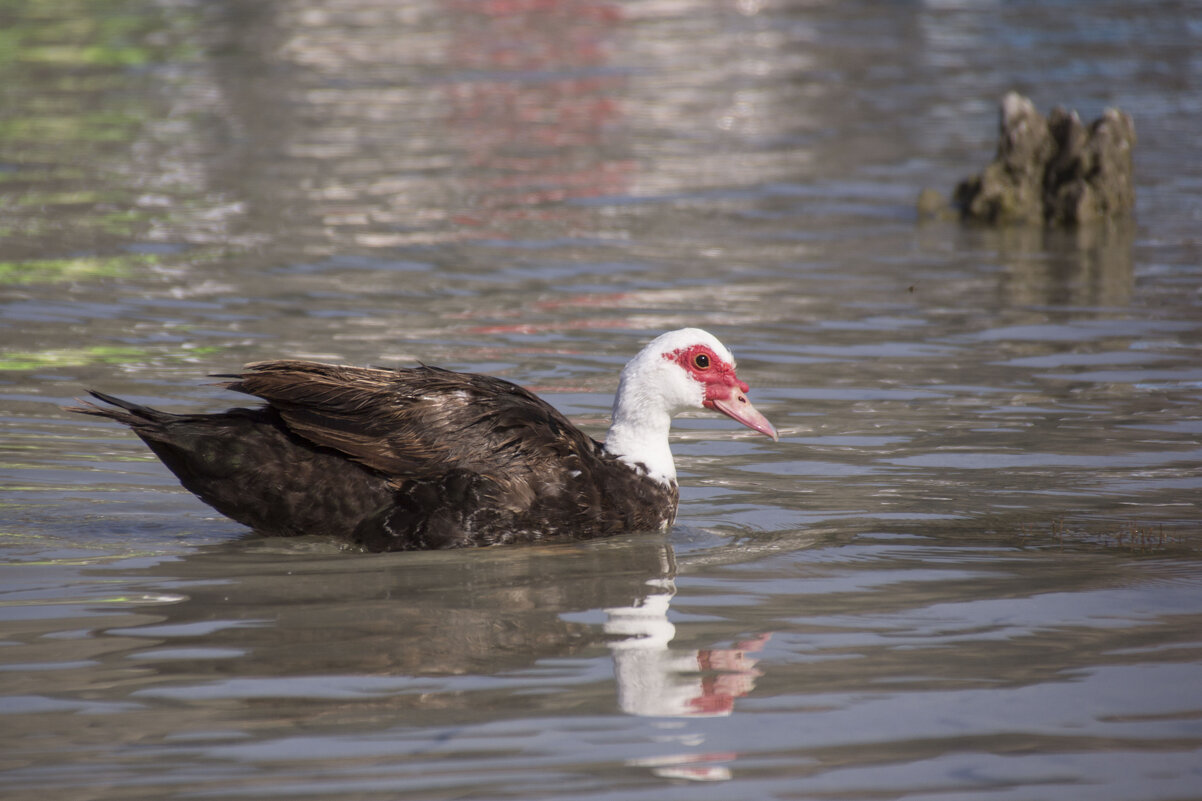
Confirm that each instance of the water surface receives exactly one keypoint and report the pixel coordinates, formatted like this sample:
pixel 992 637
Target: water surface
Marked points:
pixel 969 568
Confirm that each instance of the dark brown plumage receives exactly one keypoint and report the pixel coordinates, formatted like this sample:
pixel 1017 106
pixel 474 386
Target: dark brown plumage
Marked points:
pixel 397 460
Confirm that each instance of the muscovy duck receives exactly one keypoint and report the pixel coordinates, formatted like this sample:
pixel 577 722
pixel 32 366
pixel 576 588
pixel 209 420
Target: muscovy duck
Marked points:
pixel 422 458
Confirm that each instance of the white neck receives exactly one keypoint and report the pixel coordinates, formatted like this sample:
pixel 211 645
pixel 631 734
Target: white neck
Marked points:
pixel 651 390
pixel 642 439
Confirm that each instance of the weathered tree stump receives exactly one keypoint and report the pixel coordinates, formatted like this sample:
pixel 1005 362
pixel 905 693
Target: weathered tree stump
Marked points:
pixel 1053 171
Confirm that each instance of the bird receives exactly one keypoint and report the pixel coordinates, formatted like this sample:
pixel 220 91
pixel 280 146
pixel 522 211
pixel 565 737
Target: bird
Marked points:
pixel 424 458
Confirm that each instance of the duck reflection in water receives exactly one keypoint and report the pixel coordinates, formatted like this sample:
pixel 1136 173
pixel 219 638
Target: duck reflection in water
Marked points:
pixel 498 614
pixel 655 679
pixel 432 639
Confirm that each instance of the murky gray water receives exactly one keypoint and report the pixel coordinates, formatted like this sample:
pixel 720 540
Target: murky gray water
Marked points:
pixel 969 568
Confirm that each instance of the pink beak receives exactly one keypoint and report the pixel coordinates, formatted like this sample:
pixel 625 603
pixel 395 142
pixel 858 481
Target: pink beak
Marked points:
pixel 737 407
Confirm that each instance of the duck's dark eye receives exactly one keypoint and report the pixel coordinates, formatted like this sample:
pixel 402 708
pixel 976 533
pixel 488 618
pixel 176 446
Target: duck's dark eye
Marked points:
pixel 701 361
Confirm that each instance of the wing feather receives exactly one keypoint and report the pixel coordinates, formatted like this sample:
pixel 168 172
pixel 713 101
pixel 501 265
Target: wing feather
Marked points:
pixel 420 422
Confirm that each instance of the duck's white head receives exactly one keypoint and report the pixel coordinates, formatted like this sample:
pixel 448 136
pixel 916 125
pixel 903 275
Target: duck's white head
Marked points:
pixel 677 371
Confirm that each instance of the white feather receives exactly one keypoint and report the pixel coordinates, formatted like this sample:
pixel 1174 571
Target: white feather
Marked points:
pixel 651 391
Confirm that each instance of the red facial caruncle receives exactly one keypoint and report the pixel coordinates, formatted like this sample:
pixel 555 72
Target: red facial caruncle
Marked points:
pixel 709 369
pixel 724 392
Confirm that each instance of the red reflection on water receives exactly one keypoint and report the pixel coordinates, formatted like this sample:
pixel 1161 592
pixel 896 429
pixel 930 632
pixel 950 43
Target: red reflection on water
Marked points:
pixel 729 673
pixel 552 325
pixel 536 122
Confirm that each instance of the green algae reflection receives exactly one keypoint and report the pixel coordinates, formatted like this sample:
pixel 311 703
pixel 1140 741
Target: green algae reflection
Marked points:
pixel 53 271
pixel 96 354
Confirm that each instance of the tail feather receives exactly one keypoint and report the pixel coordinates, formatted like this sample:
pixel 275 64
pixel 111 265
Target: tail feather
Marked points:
pixel 126 412
pixel 247 465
